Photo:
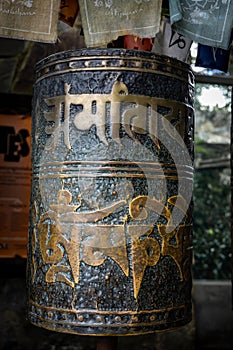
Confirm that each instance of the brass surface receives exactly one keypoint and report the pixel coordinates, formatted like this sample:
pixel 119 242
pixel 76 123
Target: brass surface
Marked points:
pixel 108 254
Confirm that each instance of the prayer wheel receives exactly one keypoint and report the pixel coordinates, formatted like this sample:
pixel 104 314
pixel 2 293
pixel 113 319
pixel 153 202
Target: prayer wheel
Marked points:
pixel 110 231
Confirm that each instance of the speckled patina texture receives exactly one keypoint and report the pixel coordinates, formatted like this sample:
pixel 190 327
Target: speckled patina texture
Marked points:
pixel 111 205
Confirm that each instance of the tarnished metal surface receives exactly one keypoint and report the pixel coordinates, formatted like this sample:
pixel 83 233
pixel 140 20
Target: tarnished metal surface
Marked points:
pixel 110 232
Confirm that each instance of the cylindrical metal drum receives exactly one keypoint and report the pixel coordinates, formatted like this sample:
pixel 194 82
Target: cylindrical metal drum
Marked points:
pixel 110 225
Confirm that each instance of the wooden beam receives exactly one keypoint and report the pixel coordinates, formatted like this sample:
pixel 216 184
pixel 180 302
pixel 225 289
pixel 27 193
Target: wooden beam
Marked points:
pixel 214 79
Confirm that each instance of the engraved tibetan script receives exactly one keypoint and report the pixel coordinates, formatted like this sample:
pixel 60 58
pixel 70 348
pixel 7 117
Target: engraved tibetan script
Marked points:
pixel 78 234
pixel 136 114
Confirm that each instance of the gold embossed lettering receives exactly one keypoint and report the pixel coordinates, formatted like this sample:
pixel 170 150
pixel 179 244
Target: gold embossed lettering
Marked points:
pixel 102 241
pixel 145 252
pixel 63 229
pixel 59 120
pixel 52 245
pixel 138 205
pixel 136 114
pixel 179 249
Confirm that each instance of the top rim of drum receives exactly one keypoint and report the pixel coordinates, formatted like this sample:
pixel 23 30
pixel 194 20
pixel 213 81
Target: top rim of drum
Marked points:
pixel 113 59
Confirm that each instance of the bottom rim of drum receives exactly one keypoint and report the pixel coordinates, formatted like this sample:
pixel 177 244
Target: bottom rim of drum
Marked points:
pixel 129 330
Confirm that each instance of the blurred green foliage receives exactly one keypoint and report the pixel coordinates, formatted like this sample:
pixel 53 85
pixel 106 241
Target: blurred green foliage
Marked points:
pixel 212 224
pixel 212 209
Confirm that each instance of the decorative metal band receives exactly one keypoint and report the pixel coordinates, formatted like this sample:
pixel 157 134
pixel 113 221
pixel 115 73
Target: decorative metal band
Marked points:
pixel 158 65
pixel 112 169
pixel 103 319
